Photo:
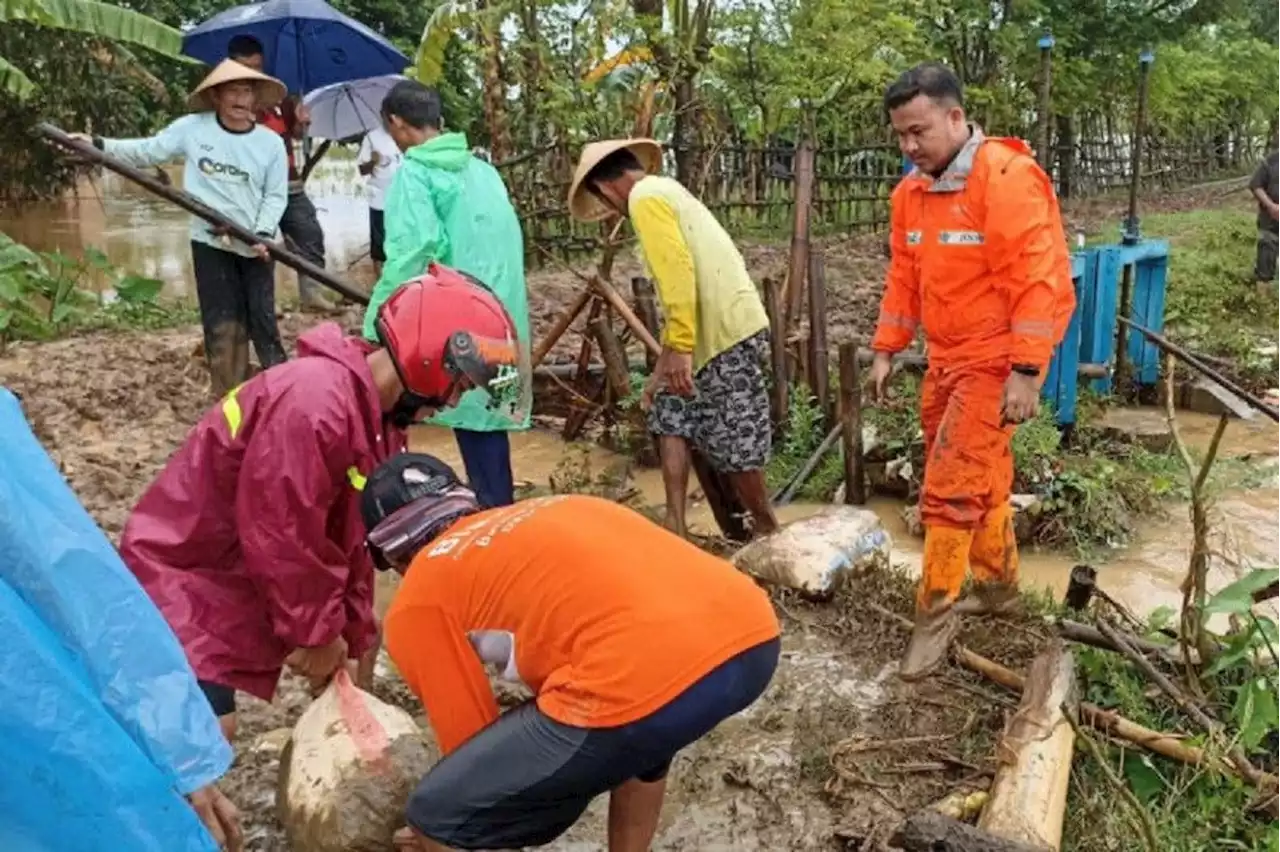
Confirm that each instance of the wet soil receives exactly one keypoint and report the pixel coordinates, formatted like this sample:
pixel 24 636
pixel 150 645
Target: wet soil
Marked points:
pixel 814 760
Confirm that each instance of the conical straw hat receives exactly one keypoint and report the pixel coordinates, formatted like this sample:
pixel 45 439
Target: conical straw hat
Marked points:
pixel 583 203
pixel 269 90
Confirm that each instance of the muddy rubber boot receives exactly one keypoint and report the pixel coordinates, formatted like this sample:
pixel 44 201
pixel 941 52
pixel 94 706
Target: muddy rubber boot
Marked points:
pixel 930 641
pixel 989 599
pixel 993 559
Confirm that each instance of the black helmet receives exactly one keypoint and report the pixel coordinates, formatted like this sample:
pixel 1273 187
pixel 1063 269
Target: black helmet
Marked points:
pixel 408 501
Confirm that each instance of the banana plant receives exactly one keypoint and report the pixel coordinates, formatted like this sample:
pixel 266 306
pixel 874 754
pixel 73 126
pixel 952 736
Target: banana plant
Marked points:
pixel 102 20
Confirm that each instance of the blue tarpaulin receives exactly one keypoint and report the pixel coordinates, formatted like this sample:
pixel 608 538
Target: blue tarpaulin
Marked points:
pixel 103 728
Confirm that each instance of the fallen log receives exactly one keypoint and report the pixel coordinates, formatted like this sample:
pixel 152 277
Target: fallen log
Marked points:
pixel 930 831
pixel 1029 793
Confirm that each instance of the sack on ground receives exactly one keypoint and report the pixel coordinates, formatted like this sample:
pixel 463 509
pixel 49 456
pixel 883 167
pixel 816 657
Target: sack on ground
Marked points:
pixel 817 554
pixel 348 771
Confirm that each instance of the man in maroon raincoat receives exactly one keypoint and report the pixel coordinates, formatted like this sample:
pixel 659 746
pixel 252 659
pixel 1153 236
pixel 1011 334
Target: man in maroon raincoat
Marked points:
pixel 251 541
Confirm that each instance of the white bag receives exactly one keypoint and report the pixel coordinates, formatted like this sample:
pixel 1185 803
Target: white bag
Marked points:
pixel 815 555
pixel 347 774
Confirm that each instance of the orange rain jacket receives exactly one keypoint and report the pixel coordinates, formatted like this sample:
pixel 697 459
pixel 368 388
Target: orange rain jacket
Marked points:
pixel 980 257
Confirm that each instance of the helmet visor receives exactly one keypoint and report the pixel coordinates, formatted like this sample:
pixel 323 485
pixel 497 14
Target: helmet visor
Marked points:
pixel 498 368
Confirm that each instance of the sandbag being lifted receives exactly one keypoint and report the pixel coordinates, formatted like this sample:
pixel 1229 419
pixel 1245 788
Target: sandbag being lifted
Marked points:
pixel 348 771
pixel 816 555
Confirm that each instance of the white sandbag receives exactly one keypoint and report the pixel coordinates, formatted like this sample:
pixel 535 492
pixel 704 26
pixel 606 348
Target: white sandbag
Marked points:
pixel 349 770
pixel 816 554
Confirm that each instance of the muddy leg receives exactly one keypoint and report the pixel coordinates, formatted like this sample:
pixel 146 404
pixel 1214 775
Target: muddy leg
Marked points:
pixel 259 282
pixel 223 314
pixel 634 809
pixel 753 493
pixel 674 453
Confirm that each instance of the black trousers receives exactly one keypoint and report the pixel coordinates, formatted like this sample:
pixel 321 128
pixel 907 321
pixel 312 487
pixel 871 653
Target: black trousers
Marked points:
pixel 237 304
pixel 300 225
pixel 1264 266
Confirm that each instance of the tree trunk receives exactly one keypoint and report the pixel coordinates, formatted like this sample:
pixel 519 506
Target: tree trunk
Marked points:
pixel 494 92
pixel 531 84
pixel 1066 155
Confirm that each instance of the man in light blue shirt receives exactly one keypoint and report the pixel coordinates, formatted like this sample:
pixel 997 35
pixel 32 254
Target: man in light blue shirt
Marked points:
pixel 239 169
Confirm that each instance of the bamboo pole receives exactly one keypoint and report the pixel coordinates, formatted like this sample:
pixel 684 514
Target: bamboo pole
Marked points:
pixel 197 208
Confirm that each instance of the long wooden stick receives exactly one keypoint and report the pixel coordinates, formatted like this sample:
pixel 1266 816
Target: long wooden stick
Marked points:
pixel 1194 361
pixel 196 208
pixel 610 295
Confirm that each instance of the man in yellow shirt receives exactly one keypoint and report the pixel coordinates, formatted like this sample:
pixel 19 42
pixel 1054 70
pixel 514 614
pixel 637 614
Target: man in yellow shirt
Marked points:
pixel 708 388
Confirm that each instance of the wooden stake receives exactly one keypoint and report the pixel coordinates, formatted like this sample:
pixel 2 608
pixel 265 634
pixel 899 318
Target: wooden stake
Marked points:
pixel 819 368
pixel 613 355
pixel 855 481
pixel 1029 792
pixel 777 350
pixel 647 312
pixel 610 295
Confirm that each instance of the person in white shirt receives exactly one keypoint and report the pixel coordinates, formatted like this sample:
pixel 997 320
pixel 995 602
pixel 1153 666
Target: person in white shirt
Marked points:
pixel 378 160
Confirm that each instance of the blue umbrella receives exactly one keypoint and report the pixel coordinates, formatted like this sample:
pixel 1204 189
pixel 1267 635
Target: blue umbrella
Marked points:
pixel 306 43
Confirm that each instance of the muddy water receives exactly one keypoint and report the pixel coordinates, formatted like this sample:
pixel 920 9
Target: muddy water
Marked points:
pixel 146 235
pixel 1144 575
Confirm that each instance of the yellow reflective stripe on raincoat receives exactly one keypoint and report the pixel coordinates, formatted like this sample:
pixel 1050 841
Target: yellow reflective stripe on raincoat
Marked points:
pixel 356 478
pixel 231 410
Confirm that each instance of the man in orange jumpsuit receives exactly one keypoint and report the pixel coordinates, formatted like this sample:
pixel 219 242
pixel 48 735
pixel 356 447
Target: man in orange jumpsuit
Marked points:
pixel 635 643
pixel 980 258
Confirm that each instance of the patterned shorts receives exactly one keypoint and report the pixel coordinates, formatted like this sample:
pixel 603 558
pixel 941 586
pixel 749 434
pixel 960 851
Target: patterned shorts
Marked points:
pixel 727 418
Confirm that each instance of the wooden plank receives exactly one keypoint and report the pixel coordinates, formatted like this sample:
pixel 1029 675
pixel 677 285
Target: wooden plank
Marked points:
pixel 1029 793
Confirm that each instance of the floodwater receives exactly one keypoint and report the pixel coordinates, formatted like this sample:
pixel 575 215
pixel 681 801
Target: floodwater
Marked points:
pixel 1144 576
pixel 143 234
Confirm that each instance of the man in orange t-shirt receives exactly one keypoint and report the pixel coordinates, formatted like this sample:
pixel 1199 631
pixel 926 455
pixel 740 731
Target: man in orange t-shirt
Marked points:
pixel 635 643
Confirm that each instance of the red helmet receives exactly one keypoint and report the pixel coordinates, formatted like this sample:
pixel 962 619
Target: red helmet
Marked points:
pixel 447 333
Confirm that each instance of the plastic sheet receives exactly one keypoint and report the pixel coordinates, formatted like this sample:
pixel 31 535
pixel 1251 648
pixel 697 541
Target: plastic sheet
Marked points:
pixel 102 725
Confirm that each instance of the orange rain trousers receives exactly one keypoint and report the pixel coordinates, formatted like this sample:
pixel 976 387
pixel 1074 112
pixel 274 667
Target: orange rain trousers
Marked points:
pixel 968 479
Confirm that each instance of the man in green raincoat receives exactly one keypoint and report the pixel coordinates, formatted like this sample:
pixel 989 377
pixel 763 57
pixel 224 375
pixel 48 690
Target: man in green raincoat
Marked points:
pixel 449 207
